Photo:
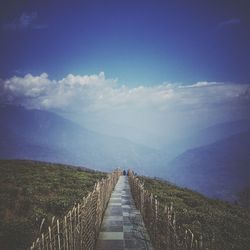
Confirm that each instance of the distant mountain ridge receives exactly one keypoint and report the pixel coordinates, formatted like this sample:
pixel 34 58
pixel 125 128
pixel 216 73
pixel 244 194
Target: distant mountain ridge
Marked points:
pixel 45 136
pixel 220 169
pixel 214 161
pixel 207 136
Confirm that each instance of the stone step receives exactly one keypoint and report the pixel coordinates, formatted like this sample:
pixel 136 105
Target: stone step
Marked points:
pixel 122 226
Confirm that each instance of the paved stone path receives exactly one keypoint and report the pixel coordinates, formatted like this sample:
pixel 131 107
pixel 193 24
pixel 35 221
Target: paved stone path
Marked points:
pixel 122 226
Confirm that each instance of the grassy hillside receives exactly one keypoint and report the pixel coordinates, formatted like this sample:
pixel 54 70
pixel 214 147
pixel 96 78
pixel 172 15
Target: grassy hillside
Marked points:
pixel 31 191
pixel 229 223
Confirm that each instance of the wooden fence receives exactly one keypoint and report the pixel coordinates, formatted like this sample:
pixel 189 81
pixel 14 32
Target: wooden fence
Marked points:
pixel 160 222
pixel 79 229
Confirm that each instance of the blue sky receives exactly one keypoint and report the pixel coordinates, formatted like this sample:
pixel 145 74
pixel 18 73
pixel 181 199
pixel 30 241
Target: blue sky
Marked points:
pixel 138 42
pixel 168 68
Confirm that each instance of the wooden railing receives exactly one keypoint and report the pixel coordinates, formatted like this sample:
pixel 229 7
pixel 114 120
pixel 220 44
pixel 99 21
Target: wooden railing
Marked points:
pixel 79 229
pixel 160 222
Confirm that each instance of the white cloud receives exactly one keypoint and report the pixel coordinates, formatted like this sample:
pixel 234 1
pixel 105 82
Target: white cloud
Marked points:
pixel 86 80
pixel 26 20
pixel 98 92
pixel 229 22
pixel 160 106
pixel 23 22
pixel 28 86
pixel 201 84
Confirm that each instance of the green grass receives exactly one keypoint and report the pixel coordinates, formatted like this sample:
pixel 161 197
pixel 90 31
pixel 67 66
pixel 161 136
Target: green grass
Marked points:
pixel 31 191
pixel 229 223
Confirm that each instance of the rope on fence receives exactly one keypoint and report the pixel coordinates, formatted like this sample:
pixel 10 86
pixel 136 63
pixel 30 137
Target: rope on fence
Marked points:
pixel 160 222
pixel 80 226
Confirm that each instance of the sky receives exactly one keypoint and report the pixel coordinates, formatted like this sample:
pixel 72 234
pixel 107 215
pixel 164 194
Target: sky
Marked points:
pixel 138 42
pixel 159 66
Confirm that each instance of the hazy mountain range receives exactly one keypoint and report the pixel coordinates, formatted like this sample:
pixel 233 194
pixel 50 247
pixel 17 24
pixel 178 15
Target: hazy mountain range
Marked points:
pixel 214 161
pixel 205 136
pixel 42 135
pixel 220 169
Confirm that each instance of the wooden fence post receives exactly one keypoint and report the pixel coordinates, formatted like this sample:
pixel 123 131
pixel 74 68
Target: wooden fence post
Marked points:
pixel 58 234
pixel 66 242
pixel 43 242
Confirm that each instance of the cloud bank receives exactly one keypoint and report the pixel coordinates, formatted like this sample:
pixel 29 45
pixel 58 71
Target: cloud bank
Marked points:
pixel 155 107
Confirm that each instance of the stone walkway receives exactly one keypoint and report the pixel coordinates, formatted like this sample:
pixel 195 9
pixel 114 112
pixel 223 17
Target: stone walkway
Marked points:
pixel 122 226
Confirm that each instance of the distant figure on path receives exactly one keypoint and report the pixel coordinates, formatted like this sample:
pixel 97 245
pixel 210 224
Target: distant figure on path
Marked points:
pixel 124 172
